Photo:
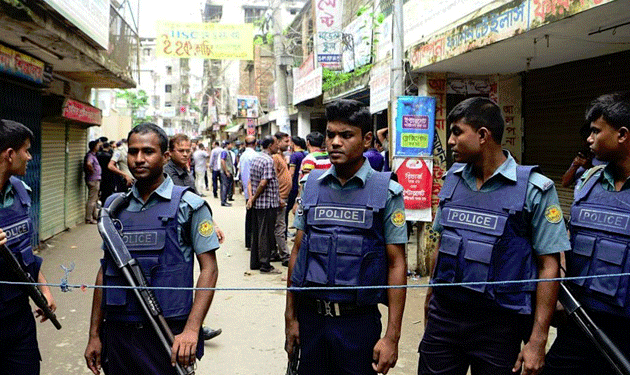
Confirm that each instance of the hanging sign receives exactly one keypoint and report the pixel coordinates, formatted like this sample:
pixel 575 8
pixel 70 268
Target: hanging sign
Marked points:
pixel 415 126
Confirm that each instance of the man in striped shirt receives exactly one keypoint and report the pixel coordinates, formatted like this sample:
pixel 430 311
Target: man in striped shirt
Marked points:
pixel 317 158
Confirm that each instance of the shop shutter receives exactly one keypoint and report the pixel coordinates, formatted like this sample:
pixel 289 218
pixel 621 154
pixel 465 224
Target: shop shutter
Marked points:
pixel 53 180
pixel 554 102
pixel 76 147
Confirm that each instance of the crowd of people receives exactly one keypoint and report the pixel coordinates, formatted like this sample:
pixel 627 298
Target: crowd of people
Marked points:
pixel 502 240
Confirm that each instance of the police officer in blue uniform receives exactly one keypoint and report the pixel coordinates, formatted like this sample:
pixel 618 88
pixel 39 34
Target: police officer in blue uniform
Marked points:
pixel 164 227
pixel 350 232
pixel 19 352
pixel 600 241
pixel 498 221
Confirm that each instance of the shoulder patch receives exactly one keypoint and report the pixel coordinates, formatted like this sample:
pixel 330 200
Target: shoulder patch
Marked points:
pixel 553 214
pixel 193 200
pixel 398 218
pixel 206 228
pixel 540 181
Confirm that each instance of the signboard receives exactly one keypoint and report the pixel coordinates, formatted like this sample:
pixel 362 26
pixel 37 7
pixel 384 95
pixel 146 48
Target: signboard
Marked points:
pixel 223 119
pixel 414 174
pixel 357 42
pixel 415 126
pixel 89 16
pixel 205 40
pixel 247 106
pixel 168 112
pixel 308 81
pixel 21 65
pixel 328 18
pixel 380 86
pixel 251 126
pixel 82 112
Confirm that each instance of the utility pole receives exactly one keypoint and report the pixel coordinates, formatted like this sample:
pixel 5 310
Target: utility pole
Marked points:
pixel 282 111
pixel 398 43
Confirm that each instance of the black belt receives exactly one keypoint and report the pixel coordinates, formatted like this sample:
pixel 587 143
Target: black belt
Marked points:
pixel 329 308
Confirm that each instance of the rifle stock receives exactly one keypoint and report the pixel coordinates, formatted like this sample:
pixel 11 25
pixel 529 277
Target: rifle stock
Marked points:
pixel 33 291
pixel 607 348
pixel 134 276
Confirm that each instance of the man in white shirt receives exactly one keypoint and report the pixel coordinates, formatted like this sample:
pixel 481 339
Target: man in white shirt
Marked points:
pixel 215 164
pixel 200 156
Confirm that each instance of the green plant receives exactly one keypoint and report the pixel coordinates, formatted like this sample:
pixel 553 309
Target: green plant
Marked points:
pixel 136 101
pixel 331 78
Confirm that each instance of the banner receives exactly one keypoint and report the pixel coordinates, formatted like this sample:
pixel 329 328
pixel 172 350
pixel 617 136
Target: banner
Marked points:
pixel 414 174
pixel 20 65
pixel 251 126
pixel 89 16
pixel 328 18
pixel 247 106
pixel 380 86
pixel 357 42
pixel 307 81
pixel 415 126
pixel 205 40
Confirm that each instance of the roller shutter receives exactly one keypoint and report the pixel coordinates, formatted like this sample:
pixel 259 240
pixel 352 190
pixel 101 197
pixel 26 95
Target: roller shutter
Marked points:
pixel 76 147
pixel 53 180
pixel 554 103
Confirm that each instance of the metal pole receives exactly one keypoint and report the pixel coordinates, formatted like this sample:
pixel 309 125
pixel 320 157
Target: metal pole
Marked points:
pixel 282 119
pixel 398 78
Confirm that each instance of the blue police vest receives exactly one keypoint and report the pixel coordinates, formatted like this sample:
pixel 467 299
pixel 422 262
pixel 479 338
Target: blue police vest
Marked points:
pixel 344 243
pixel 600 242
pixel 486 238
pixel 151 237
pixel 17 225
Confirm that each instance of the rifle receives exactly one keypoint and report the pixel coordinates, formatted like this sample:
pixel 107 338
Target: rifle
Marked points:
pixel 33 291
pixel 603 343
pixel 131 270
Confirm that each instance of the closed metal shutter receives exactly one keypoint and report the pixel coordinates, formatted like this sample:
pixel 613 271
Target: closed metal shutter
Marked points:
pixel 76 147
pixel 53 180
pixel 554 102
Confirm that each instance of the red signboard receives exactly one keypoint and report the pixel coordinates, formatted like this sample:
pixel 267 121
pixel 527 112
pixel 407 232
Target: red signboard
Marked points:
pixel 82 112
pixel 416 180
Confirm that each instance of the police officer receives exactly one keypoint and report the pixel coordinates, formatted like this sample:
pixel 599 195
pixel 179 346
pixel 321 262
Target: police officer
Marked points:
pixel 600 241
pixel 350 232
pixel 498 221
pixel 179 224
pixel 19 353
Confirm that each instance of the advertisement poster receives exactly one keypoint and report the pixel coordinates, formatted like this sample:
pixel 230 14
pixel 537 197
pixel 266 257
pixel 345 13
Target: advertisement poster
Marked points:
pixel 415 126
pixel 247 106
pixel 328 17
pixel 251 126
pixel 414 174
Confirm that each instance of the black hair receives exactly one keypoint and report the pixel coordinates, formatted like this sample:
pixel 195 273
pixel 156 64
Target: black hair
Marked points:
pixel 179 137
pixel 479 112
pixel 613 108
pixel 148 127
pixel 14 135
pixel 251 142
pixel 280 135
pixel 351 112
pixel 104 139
pixel 315 139
pixel 93 144
pixel 299 141
pixel 267 141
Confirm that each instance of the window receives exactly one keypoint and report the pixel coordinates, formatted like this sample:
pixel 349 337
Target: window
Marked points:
pixel 168 88
pixel 294 11
pixel 212 13
pixel 147 51
pixel 169 70
pixel 252 14
pixel 168 104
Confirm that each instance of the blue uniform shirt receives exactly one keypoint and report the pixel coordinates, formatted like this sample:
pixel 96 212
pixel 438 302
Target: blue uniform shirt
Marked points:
pixel 204 237
pixel 393 218
pixel 7 196
pixel 542 209
pixel 608 182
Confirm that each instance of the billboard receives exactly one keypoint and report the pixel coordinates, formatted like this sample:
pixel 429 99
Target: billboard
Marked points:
pixel 247 106
pixel 89 16
pixel 205 40
pixel 415 126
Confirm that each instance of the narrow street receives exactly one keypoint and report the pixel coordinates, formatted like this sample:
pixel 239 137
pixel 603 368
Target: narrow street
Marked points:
pixel 252 322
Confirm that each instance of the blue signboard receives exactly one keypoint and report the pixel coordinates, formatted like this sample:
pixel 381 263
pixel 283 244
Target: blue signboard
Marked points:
pixel 415 126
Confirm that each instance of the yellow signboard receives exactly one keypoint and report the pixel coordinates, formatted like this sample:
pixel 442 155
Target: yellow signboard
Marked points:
pixel 205 40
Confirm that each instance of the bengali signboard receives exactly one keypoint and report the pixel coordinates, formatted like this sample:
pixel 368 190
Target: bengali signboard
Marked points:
pixel 380 86
pixel 357 42
pixel 414 174
pixel 308 81
pixel 205 40
pixel 251 126
pixel 247 106
pixel 415 126
pixel 328 31
pixel 82 112
pixel 21 65
pixel 89 16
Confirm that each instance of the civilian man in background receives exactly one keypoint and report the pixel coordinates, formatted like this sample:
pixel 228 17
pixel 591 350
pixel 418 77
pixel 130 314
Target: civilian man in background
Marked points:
pixel 298 145
pixel 317 157
pixel 227 173
pixel 215 165
pixel 284 185
pixel 244 166
pixel 93 181
pixel 109 180
pixel 200 157
pixel 118 165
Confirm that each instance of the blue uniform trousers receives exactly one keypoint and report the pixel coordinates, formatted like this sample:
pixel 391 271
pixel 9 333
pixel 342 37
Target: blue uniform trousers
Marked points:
pixel 573 352
pixel 462 335
pixel 134 349
pixel 19 353
pixel 341 345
